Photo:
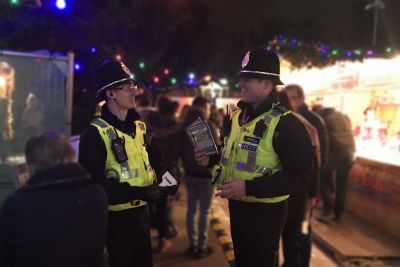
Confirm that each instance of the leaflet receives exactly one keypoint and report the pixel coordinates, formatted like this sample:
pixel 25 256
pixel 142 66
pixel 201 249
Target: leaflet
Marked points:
pixel 200 135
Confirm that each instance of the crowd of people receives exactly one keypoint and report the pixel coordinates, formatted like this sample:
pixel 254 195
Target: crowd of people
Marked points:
pixel 275 157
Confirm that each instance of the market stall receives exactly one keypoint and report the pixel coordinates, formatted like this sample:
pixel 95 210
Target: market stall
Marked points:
pixel 369 93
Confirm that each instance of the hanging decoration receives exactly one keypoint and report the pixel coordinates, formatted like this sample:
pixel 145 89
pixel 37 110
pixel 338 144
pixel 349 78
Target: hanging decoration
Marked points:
pixel 316 54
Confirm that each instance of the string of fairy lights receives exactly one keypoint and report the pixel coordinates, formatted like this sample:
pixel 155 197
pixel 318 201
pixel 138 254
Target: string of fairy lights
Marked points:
pixel 299 53
pixel 316 54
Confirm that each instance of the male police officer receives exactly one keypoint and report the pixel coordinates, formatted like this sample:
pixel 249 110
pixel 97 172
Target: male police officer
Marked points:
pixel 267 155
pixel 113 150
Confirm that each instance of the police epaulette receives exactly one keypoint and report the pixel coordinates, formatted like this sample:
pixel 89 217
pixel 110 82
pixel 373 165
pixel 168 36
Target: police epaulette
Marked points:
pixel 99 122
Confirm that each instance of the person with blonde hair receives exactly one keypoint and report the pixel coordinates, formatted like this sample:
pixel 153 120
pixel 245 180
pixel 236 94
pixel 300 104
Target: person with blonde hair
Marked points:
pixel 59 217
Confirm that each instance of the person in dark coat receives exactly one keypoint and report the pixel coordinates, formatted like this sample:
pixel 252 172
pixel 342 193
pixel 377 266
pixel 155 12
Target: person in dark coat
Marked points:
pixel 164 128
pixel 59 218
pixel 296 241
pixel 198 183
pixel 297 101
pixel 341 154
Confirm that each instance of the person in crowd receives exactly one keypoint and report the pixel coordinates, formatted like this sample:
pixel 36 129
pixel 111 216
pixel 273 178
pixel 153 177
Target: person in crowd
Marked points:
pixel 216 117
pixel 144 107
pixel 120 156
pixel 32 118
pixel 164 128
pixel 59 217
pixel 341 153
pixel 198 183
pixel 183 111
pixel 267 156
pixel 296 240
pixel 297 99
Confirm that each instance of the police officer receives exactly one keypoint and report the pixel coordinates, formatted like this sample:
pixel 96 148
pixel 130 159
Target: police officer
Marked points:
pixel 267 155
pixel 113 149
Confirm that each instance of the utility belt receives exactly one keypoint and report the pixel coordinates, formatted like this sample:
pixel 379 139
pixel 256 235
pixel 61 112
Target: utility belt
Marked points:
pixel 129 205
pixel 233 203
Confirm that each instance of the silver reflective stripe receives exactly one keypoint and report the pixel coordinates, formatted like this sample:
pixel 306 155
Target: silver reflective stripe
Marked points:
pixel 267 119
pixel 111 134
pixel 251 157
pixel 259 72
pixel 126 171
pixel 128 174
pixel 99 123
pixel 149 168
pixel 240 166
pixel 113 83
pixel 275 112
pixel 224 160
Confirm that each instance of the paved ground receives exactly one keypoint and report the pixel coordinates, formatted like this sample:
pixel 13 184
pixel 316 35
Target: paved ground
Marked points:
pixel 219 238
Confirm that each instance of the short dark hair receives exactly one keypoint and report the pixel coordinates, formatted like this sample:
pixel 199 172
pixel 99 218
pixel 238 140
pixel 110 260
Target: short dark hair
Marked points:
pixel 200 101
pixel 193 114
pixel 299 90
pixel 167 106
pixel 48 150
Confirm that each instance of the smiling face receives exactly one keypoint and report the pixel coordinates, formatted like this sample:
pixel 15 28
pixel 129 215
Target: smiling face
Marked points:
pixel 253 91
pixel 125 95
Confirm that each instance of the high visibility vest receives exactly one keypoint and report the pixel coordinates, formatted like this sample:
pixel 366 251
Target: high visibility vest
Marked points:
pixel 137 170
pixel 248 154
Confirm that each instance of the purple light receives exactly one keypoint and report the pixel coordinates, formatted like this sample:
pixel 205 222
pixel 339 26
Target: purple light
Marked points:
pixel 294 41
pixel 93 50
pixel 77 66
pixel 349 54
pixel 370 52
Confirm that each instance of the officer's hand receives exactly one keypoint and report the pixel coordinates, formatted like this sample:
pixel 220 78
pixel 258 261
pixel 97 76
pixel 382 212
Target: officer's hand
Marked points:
pixel 234 189
pixel 201 158
pixel 170 190
pixel 152 194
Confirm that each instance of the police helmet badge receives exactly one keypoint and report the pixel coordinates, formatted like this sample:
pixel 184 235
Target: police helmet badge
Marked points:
pixel 246 59
pixel 127 71
pixel 125 68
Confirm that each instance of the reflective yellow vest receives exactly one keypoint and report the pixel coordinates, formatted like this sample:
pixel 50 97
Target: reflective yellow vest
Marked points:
pixel 246 156
pixel 136 170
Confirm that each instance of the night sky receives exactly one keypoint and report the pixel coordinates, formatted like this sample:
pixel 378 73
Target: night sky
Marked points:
pixel 339 20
